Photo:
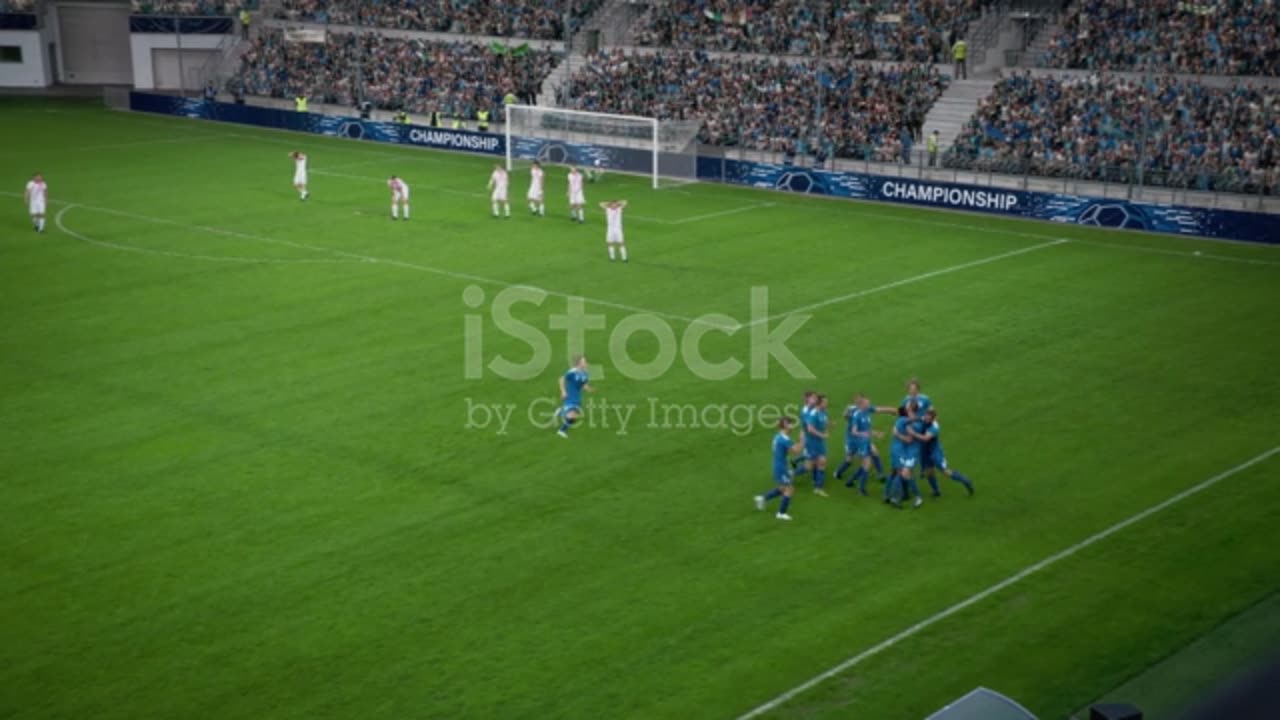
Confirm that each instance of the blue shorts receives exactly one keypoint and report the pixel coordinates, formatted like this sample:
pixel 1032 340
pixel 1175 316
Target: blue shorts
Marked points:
pixel 904 461
pixel 569 407
pixel 782 478
pixel 932 460
pixel 857 446
pixel 814 449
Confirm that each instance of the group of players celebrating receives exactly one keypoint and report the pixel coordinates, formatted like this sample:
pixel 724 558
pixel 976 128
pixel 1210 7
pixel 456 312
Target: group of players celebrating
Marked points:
pixel 499 184
pixel 916 445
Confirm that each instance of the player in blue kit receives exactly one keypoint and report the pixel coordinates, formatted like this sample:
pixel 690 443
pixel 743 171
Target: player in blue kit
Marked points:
pixel 858 442
pixel 905 453
pixel 933 459
pixel 798 466
pixel 922 401
pixel 815 444
pixel 572 383
pixel 783 448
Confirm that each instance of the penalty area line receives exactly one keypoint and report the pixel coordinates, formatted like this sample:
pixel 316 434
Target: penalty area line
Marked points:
pixel 1014 579
pixel 913 279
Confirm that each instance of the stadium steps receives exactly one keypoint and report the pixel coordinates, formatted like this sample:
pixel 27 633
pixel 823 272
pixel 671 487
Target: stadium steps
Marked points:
pixel 950 113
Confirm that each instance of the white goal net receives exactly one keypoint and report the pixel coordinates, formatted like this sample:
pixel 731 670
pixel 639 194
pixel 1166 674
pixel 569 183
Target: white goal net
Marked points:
pixel 665 150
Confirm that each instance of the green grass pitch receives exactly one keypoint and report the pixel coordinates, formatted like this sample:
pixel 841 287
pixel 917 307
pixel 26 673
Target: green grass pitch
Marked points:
pixel 238 479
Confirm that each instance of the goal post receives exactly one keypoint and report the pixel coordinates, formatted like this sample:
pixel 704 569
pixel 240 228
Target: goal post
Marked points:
pixel 664 150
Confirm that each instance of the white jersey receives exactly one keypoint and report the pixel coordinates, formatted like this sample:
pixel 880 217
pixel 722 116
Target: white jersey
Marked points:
pixel 576 196
pixel 37 191
pixel 535 184
pixel 399 190
pixel 498 183
pixel 613 223
pixel 300 170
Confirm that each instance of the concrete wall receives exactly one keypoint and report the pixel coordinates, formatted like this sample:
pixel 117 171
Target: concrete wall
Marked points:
pixel 34 70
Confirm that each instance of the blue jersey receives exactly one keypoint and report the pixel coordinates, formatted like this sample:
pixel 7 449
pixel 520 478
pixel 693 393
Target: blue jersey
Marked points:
pixel 905 454
pixel 933 456
pixel 818 419
pixel 574 380
pixel 781 462
pixel 859 421
pixel 921 400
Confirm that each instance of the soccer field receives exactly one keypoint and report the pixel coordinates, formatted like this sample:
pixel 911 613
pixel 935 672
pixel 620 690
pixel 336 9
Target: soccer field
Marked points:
pixel 245 474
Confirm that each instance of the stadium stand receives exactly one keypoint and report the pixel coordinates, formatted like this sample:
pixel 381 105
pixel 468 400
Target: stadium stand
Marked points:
pixel 841 109
pixel 1241 37
pixel 17 6
pixel 895 30
pixel 536 19
pixel 210 8
pixel 454 78
pixel 1180 133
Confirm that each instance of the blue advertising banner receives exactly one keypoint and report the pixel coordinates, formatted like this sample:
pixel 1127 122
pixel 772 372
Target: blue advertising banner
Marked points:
pixel 17 21
pixel 331 125
pixel 1070 209
pixel 181 25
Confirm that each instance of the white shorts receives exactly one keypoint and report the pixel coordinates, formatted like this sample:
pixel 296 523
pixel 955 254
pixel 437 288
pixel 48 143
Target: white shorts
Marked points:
pixel 535 195
pixel 400 197
pixel 613 237
pixel 499 196
pixel 300 178
pixel 36 208
pixel 577 199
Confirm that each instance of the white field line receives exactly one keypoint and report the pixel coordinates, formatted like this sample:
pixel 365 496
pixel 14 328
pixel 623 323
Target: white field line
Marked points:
pixel 907 281
pixel 61 225
pixel 1003 584
pixel 346 255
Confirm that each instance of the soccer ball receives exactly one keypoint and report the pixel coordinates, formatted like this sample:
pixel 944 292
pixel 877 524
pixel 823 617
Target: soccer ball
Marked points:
pixel 1114 215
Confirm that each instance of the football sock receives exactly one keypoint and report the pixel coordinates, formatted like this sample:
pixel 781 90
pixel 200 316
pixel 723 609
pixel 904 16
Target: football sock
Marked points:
pixel 892 488
pixel 395 211
pixel 623 249
pixel 861 477
pixel 913 488
pixel 875 460
pixel 495 209
pixel 819 478
pixel 772 494
pixel 564 426
pixel 933 484
pixel 406 212
pixel 962 480
pixel 506 209
pixel 786 503
pixel 844 467
pixel 40 224
pixel 610 252
pixel 542 209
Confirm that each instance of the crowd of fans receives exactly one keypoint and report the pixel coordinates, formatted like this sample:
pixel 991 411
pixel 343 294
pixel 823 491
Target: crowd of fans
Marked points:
pixel 911 30
pixel 206 8
pixel 1172 132
pixel 17 6
pixel 842 109
pixel 456 79
pixel 1240 37
pixel 538 19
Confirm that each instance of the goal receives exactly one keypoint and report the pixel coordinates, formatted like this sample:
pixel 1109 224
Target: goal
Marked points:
pixel 665 150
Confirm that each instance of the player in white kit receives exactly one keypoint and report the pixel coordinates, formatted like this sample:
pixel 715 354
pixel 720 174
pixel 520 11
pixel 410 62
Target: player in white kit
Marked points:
pixel 300 174
pixel 613 223
pixel 536 206
pixel 576 197
pixel 399 197
pixel 498 185
pixel 35 196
